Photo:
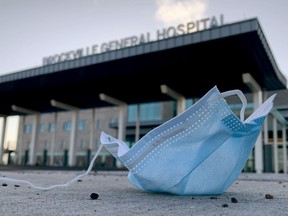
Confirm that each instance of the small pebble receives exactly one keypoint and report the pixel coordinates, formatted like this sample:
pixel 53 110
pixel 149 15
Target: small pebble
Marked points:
pixel 94 196
pixel 16 185
pixel 234 200
pixel 269 196
pixel 224 205
pixel 4 184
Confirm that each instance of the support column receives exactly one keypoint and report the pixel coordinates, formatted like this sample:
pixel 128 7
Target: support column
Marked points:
pixel 32 153
pixel 75 113
pixel 257 101
pixel 34 135
pixel 265 130
pixel 265 126
pixel 92 129
pixel 72 157
pixel 181 103
pixel 275 146
pixel 53 140
pixel 122 122
pixel 122 119
pixel 137 126
pixel 20 149
pixel 122 114
pixel 3 133
pixel 284 145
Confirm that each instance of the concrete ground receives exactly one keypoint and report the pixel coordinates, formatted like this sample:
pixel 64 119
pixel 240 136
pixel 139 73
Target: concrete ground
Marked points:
pixel 254 194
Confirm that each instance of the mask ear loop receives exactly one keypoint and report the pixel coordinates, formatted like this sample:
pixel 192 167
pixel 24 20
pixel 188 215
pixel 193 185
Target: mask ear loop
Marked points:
pixel 4 179
pixel 242 98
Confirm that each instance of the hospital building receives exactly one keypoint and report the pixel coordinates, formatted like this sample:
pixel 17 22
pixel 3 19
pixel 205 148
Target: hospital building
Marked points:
pixel 130 86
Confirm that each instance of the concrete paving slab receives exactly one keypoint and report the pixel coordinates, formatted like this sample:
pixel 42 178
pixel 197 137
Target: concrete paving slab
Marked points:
pixel 247 196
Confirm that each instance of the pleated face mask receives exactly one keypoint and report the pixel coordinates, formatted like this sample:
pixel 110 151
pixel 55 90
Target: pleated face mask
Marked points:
pixel 202 151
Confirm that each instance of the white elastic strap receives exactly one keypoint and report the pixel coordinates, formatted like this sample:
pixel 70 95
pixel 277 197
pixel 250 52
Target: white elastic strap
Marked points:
pixel 242 98
pixel 4 179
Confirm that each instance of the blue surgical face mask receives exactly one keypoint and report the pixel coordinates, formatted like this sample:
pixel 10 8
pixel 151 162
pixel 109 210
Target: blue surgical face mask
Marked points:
pixel 199 152
pixel 202 151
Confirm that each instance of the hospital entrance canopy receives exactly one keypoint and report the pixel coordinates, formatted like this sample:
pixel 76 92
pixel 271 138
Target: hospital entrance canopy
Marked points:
pixel 191 64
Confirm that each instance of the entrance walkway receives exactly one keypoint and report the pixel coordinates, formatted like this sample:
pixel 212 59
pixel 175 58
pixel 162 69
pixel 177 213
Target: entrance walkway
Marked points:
pixel 252 194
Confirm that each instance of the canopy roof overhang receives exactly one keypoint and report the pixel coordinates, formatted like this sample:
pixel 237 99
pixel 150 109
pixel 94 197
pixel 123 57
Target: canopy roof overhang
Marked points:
pixel 190 64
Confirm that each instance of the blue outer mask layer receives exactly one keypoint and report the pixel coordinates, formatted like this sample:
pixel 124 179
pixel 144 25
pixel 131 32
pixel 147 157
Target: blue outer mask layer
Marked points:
pixel 202 151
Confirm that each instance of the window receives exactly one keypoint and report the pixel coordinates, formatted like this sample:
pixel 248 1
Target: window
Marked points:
pixel 27 128
pixel 42 128
pixel 189 102
pixel 99 124
pixel 148 112
pixel 113 120
pixel 51 127
pixel 67 126
pixel 81 125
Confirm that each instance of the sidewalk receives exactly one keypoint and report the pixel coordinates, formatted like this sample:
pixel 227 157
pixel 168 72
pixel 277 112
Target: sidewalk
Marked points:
pixel 118 197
